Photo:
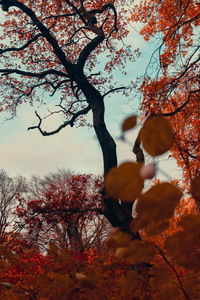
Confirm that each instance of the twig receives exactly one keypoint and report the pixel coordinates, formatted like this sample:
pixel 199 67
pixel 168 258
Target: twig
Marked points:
pixel 173 269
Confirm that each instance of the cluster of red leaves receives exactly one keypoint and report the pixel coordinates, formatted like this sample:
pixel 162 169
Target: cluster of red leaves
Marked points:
pixel 20 260
pixel 75 199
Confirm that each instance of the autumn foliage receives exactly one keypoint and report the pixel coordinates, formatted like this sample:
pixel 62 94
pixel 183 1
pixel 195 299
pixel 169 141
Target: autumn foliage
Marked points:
pixel 171 85
pixel 153 253
pixel 63 211
pixel 163 264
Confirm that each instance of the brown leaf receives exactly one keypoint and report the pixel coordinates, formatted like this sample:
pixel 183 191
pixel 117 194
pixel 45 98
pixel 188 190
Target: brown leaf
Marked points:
pixel 160 275
pixel 195 188
pixel 118 239
pixel 157 136
pixel 140 252
pixel 124 182
pixel 129 123
pixel 155 207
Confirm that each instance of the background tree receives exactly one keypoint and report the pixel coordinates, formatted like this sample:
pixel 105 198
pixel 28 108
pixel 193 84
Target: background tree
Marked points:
pixel 53 47
pixel 9 189
pixel 171 85
pixel 64 208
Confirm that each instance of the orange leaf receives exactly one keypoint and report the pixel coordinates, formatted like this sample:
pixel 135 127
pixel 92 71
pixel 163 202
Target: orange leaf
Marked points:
pixel 129 123
pixel 155 207
pixel 184 245
pixel 157 136
pixel 124 182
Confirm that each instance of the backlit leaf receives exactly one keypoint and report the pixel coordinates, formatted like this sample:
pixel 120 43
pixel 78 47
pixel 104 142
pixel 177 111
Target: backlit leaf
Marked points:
pixel 191 223
pixel 131 281
pixel 122 252
pixel 81 276
pixel 124 182
pixel 157 136
pixel 155 207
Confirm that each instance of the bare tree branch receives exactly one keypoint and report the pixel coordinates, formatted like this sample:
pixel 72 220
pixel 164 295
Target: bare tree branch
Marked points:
pixel 69 122
pixel 22 47
pixel 70 211
pixel 115 90
pixel 32 74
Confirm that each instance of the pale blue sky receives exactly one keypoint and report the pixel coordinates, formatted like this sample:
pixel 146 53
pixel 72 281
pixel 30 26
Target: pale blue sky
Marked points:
pixel 24 152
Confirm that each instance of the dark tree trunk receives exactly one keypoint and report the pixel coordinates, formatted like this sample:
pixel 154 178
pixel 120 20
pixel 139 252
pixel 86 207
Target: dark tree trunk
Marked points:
pixel 113 210
pixel 74 238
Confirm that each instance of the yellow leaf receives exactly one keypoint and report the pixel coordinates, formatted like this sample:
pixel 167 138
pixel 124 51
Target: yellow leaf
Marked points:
pixel 51 275
pixel 129 123
pixel 62 281
pixel 124 182
pixel 130 283
pixel 157 136
pixel 195 188
pixel 181 246
pixel 177 243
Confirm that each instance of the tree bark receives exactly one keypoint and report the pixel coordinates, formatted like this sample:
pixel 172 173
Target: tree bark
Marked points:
pixel 113 210
pixel 74 238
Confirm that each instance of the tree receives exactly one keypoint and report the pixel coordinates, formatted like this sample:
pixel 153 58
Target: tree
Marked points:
pixel 20 262
pixel 54 47
pixel 9 189
pixel 171 85
pixel 65 208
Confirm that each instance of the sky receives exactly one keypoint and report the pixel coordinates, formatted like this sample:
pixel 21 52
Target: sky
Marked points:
pixel 27 153
pixel 24 152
